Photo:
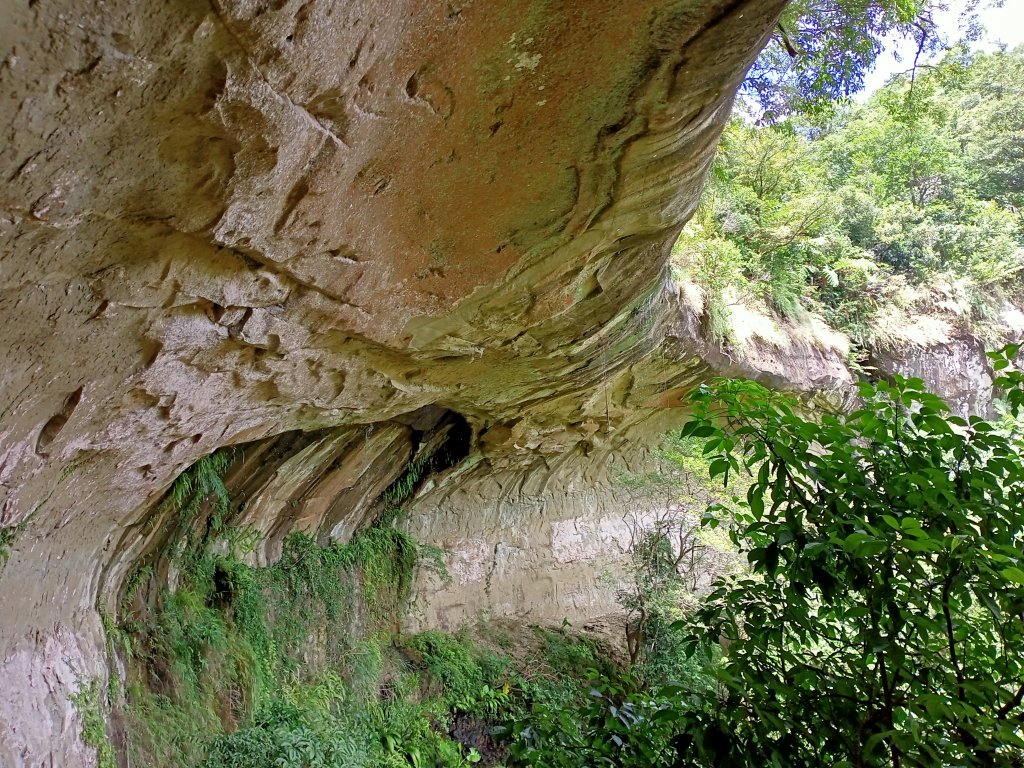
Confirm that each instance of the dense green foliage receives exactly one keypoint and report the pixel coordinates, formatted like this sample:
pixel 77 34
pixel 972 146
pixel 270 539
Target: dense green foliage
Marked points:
pixel 88 701
pixel 8 535
pixel 288 665
pixel 242 642
pixel 880 619
pixel 615 725
pixel 821 50
pixel 883 616
pixel 908 204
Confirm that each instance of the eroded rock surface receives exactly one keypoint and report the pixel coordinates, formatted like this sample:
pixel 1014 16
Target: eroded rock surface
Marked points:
pixel 955 365
pixel 541 545
pixel 226 221
pixel 958 370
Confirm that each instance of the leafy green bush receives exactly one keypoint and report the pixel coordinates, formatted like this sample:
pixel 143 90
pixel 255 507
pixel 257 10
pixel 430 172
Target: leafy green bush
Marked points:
pixel 8 536
pixel 232 639
pixel 450 662
pixel 882 621
pixel 416 734
pixel 285 736
pixel 614 725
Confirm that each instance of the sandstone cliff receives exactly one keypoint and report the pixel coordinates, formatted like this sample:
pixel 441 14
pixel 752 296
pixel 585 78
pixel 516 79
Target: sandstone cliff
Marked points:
pixel 328 231
pixel 384 249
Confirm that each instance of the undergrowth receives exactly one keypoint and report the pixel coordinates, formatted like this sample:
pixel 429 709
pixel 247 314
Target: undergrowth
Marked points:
pixel 303 664
pixel 234 640
pixel 8 536
pixel 295 664
pixel 88 700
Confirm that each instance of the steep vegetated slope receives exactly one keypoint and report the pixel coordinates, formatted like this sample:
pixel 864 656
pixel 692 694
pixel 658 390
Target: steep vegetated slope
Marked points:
pixel 895 223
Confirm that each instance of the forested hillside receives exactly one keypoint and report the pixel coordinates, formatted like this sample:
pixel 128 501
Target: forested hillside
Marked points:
pixel 874 215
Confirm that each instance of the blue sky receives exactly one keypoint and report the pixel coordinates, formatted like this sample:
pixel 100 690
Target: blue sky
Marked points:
pixel 1003 25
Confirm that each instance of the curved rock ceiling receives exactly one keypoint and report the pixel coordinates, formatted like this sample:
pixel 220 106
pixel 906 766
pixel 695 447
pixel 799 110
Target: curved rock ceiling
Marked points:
pixel 223 222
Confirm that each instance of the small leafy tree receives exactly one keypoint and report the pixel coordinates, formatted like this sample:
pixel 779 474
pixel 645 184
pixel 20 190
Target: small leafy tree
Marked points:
pixel 882 620
pixel 670 559
pixel 822 49
pixel 664 557
pixel 615 727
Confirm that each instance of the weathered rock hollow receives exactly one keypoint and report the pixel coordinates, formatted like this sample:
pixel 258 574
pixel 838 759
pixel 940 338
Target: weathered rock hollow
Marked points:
pixel 344 235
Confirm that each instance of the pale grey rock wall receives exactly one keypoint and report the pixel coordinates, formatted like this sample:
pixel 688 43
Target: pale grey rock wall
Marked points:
pixel 958 371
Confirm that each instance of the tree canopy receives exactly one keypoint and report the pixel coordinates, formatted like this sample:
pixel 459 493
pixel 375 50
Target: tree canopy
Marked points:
pixel 912 197
pixel 822 49
pixel 882 618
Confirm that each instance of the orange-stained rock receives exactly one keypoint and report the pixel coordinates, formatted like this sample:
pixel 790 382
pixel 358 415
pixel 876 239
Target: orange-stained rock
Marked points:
pixel 223 221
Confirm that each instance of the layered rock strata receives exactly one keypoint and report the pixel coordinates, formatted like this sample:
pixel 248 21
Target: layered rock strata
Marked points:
pixel 232 222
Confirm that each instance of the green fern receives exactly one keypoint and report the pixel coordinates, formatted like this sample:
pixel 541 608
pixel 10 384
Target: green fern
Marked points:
pixel 88 700
pixel 399 492
pixel 8 535
pixel 198 483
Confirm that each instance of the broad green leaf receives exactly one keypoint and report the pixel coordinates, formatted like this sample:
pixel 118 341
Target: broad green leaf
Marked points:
pixel 1013 574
